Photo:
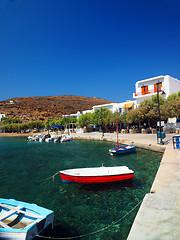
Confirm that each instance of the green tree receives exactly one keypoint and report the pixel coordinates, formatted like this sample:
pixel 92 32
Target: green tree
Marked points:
pixel 102 117
pixel 144 108
pixel 38 125
pixel 6 128
pixel 7 120
pixel 172 107
pixel 133 117
pixel 19 127
pixel 173 96
pixel 114 116
pixel 85 119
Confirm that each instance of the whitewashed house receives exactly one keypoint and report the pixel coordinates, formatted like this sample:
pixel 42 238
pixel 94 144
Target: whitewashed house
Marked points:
pixel 145 89
pixel 76 115
pixel 87 111
pixel 117 107
pixel 114 107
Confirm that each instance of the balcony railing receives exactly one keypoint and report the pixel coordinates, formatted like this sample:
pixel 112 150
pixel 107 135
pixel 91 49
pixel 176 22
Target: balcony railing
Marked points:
pixel 145 93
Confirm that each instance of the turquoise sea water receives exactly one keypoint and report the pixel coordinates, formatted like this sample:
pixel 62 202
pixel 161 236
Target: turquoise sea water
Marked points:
pixel 79 209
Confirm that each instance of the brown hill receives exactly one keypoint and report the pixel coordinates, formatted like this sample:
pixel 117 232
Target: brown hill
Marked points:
pixel 42 108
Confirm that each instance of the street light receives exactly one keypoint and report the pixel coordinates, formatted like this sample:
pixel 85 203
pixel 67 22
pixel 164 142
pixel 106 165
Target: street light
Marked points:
pixel 159 114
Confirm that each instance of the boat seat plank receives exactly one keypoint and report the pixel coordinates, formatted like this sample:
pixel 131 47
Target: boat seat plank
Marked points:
pixel 4 225
pixel 9 213
pixel 21 211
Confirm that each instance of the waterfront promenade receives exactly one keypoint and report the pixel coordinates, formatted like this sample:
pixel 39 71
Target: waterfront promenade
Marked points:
pixel 159 215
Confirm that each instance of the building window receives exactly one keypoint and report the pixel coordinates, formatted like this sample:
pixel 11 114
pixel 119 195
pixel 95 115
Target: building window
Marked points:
pixel 156 85
pixel 144 90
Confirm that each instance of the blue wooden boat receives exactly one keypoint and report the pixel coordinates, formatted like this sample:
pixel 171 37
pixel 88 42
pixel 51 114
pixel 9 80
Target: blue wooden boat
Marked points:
pixel 122 149
pixel 22 221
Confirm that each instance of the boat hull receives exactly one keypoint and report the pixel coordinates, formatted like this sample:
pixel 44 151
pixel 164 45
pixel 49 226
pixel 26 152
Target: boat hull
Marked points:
pixel 66 139
pixel 28 226
pixel 97 175
pixel 123 149
pixel 96 180
pixel 28 235
pixel 14 236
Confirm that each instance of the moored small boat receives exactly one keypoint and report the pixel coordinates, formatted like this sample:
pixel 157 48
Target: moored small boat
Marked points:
pixel 97 175
pixel 22 221
pixel 66 138
pixel 122 149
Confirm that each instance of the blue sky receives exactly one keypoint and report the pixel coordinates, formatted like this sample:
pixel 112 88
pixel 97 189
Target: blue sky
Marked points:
pixel 91 48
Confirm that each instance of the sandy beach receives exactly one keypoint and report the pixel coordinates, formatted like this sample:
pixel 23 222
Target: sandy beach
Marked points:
pixel 20 134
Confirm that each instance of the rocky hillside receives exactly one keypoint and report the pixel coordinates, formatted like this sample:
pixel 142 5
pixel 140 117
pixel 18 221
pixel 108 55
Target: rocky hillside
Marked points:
pixel 42 108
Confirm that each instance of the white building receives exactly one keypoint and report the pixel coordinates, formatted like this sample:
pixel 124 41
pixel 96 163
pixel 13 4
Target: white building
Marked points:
pixel 145 89
pixel 1 116
pixel 77 115
pixel 87 111
pixel 114 107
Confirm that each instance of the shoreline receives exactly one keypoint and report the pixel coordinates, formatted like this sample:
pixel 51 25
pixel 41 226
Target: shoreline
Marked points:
pixel 20 134
pixel 144 141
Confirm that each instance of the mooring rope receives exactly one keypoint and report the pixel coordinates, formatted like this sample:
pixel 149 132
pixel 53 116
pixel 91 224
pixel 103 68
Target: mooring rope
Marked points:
pixel 53 176
pixel 100 230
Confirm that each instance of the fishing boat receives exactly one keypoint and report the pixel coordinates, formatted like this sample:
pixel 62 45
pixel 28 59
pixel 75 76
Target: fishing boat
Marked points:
pixel 22 221
pixel 97 175
pixel 121 149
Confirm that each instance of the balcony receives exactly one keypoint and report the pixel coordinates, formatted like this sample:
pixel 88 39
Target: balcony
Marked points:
pixel 140 94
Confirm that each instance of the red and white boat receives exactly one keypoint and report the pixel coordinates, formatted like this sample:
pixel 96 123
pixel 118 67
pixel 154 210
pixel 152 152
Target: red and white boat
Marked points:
pixel 97 175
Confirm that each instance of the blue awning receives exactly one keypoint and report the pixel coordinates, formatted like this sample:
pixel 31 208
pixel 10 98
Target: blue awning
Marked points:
pixel 57 126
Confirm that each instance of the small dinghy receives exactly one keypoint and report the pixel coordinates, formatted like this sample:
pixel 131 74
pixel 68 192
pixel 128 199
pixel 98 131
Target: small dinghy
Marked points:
pixel 22 221
pixel 122 149
pixel 97 175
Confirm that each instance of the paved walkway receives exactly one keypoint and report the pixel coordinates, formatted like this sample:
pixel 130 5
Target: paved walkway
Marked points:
pixel 147 141
pixel 159 215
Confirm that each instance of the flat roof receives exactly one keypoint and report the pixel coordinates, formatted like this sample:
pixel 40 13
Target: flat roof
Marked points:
pixel 150 79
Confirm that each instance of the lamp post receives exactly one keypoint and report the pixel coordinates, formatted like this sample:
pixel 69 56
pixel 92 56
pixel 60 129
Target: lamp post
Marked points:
pixel 159 113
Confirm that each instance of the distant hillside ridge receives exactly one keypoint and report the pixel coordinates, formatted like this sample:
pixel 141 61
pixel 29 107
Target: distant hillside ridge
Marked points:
pixel 42 108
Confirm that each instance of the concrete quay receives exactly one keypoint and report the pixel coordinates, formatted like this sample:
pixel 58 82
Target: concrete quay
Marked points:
pixel 158 217
pixel 145 141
